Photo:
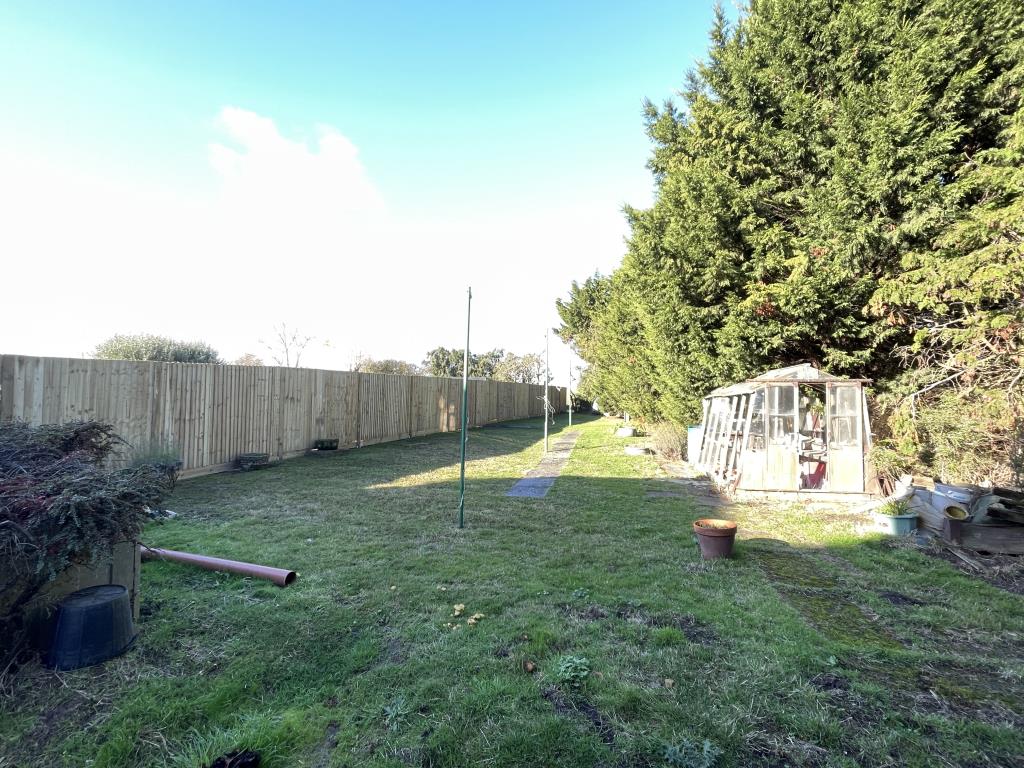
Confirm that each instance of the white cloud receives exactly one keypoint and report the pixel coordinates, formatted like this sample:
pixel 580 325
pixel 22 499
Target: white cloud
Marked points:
pixel 272 183
pixel 287 230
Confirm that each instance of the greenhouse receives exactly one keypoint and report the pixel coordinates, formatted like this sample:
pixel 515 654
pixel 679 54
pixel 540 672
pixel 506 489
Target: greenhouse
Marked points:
pixel 793 429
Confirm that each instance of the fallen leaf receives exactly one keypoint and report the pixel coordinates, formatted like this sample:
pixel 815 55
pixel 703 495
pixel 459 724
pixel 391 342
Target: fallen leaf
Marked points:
pixel 529 667
pixel 669 682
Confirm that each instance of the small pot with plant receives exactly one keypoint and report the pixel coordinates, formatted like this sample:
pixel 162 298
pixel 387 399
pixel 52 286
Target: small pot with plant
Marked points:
pixel 896 518
pixel 715 537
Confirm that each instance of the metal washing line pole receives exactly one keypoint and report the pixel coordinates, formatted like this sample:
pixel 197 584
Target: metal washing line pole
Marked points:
pixel 547 383
pixel 568 389
pixel 465 406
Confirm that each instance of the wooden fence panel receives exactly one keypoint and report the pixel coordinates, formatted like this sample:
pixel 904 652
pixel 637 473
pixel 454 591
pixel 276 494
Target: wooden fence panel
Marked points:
pixel 208 414
pixel 476 412
pixel 384 407
pixel 429 405
pixel 521 402
pixel 454 405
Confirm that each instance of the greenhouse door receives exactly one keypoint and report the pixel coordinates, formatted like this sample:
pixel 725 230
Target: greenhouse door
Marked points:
pixel 845 439
pixel 782 465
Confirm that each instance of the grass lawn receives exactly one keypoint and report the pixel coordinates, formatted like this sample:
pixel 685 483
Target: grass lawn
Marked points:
pixel 813 646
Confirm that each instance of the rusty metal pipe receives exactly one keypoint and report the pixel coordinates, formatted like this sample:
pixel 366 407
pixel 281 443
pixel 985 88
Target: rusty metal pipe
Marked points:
pixel 280 576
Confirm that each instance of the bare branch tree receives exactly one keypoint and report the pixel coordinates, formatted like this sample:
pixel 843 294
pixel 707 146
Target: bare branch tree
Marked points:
pixel 287 346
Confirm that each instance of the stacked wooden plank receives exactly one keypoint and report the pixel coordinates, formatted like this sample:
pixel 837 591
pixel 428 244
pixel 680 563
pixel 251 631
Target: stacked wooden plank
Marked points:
pixel 1007 506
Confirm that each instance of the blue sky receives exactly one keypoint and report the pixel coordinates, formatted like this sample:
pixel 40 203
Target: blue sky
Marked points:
pixel 415 148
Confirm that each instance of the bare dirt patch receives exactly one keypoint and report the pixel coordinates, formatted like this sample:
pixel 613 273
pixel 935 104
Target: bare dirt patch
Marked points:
pixel 579 706
pixel 950 689
pixel 776 750
pixel 829 681
pixel 394 651
pixel 853 710
pixel 898 598
pixel 322 756
pixel 695 630
pixel 591 612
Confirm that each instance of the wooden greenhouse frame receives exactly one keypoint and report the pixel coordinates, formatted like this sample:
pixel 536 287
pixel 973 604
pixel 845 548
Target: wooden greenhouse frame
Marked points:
pixel 793 430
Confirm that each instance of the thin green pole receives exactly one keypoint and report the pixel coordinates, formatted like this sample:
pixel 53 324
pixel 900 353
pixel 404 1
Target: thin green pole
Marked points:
pixel 547 387
pixel 568 389
pixel 465 415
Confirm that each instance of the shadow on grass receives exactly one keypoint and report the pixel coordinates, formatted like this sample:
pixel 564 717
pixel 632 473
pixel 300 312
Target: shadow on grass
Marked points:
pixel 392 461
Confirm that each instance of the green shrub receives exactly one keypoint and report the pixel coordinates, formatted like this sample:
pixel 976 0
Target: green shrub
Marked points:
pixel 890 463
pixel 965 436
pixel 669 440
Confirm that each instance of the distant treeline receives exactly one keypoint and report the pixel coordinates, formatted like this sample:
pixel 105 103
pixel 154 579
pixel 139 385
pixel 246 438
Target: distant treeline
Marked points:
pixel 287 347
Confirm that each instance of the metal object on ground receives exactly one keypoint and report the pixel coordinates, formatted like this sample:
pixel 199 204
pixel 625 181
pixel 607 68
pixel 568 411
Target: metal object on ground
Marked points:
pixel 280 576
pixel 252 460
pixel 93 625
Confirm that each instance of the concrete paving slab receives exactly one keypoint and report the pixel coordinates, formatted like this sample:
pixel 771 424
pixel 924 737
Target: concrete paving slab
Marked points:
pixel 537 482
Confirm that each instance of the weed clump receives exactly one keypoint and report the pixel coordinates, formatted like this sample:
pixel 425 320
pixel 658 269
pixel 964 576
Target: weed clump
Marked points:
pixel 690 754
pixel 571 671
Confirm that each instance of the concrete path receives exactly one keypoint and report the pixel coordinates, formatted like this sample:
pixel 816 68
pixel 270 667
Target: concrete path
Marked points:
pixel 538 481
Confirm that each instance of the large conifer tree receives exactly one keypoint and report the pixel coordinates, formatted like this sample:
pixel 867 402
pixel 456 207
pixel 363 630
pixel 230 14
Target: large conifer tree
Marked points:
pixel 841 180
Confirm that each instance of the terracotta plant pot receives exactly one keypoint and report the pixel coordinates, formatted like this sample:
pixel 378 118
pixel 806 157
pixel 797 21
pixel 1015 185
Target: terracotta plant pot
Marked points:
pixel 715 537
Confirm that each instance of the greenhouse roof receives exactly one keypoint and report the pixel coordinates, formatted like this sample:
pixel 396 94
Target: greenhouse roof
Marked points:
pixel 800 374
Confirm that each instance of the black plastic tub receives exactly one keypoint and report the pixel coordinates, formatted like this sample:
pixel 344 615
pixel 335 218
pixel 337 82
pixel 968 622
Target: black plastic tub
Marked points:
pixel 93 625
